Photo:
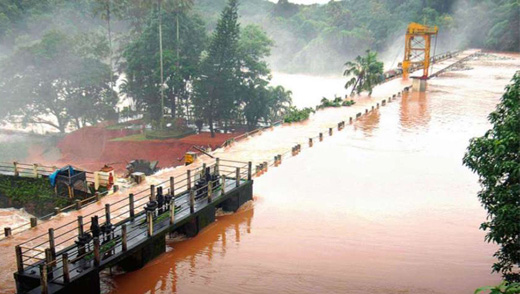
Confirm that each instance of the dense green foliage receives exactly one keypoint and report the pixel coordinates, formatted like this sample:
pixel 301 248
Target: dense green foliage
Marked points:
pixel 503 288
pixel 35 195
pixel 297 115
pixel 162 53
pixel 364 73
pixel 495 157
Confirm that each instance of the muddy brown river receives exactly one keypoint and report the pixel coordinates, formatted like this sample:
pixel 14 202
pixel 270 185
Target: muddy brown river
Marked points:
pixel 384 206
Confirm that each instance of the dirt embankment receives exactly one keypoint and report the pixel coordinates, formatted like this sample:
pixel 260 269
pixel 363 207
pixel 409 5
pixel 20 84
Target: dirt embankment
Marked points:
pixel 92 147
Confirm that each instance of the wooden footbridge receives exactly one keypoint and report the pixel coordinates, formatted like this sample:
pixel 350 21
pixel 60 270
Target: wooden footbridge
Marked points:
pixel 130 232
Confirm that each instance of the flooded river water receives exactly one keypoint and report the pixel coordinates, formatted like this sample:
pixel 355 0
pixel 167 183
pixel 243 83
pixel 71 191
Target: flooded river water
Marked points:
pixel 384 206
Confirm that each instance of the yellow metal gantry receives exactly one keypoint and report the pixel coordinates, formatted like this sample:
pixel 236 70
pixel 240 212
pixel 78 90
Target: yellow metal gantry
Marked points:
pixel 417 48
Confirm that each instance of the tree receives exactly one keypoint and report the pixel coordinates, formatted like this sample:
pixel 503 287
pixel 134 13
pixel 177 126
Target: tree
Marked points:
pixel 106 9
pixel 216 91
pixel 55 81
pixel 141 63
pixel 364 73
pixel 495 157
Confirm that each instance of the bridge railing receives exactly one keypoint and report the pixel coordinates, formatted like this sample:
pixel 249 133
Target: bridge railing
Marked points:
pixel 47 249
pixel 33 170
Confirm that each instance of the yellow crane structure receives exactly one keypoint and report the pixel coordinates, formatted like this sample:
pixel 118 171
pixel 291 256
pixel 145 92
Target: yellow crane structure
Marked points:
pixel 417 48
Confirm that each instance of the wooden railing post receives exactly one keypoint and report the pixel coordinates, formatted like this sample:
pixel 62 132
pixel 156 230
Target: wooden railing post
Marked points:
pixel 34 222
pixel 172 211
pixel 172 186
pixel 66 273
pixel 97 253
pixel 80 225
pixel 237 177
pixel 131 204
pixel 19 258
pixel 51 243
pixel 124 237
pixel 107 213
pixel 15 165
pixel 35 170
pixel 310 142
pixel 210 191
pixel 330 131
pixel 192 201
pixel 8 232
pixel 49 260
pixel 152 192
pixel 321 137
pixel 149 220
pixel 188 179
pixel 78 204
pixel 249 170
pixel 223 184
pixel 43 279
pixel 217 163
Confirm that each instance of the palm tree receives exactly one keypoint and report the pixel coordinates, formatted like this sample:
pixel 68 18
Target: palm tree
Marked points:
pixel 364 72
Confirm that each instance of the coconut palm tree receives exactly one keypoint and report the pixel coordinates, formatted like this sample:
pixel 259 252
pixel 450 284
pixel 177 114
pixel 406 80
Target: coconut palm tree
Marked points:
pixel 364 73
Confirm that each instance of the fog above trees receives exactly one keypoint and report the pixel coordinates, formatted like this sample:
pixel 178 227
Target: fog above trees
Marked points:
pixel 60 60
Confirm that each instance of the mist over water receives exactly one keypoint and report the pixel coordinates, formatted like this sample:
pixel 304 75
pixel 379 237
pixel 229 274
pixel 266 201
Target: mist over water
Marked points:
pixel 382 207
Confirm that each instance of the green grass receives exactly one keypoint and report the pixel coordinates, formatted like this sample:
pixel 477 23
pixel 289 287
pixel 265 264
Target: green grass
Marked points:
pixel 134 138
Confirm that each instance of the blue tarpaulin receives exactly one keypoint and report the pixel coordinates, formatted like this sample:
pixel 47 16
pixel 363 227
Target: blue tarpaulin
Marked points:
pixel 66 171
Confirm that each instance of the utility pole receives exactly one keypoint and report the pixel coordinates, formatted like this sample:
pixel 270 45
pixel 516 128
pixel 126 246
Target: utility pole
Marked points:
pixel 161 62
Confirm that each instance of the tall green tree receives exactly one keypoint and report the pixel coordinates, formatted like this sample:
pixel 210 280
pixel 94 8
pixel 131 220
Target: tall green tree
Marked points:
pixel 216 91
pixel 142 69
pixel 57 81
pixel 364 73
pixel 495 157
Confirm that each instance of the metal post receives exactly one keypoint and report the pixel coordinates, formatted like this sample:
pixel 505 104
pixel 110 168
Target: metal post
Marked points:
pixel 97 255
pixel 7 232
pixel 217 163
pixel 249 170
pixel 321 137
pixel 310 142
pixel 80 225
pixel 131 211
pixel 19 258
pixel 51 243
pixel 172 186
pixel 57 210
pixel 276 160
pixel 66 273
pixel 223 184
pixel 237 176
pixel 43 279
pixel 98 196
pixel 107 213
pixel 124 237
pixel 330 131
pixel 279 159
pixel 152 192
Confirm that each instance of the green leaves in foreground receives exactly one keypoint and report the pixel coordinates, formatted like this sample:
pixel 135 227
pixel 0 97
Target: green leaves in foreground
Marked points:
pixel 495 157
pixel 504 287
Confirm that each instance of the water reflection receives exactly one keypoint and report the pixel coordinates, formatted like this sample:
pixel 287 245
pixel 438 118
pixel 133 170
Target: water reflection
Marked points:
pixel 415 110
pixel 185 258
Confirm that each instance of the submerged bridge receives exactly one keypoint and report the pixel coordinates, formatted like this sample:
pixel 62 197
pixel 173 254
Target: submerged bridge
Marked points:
pixel 131 232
